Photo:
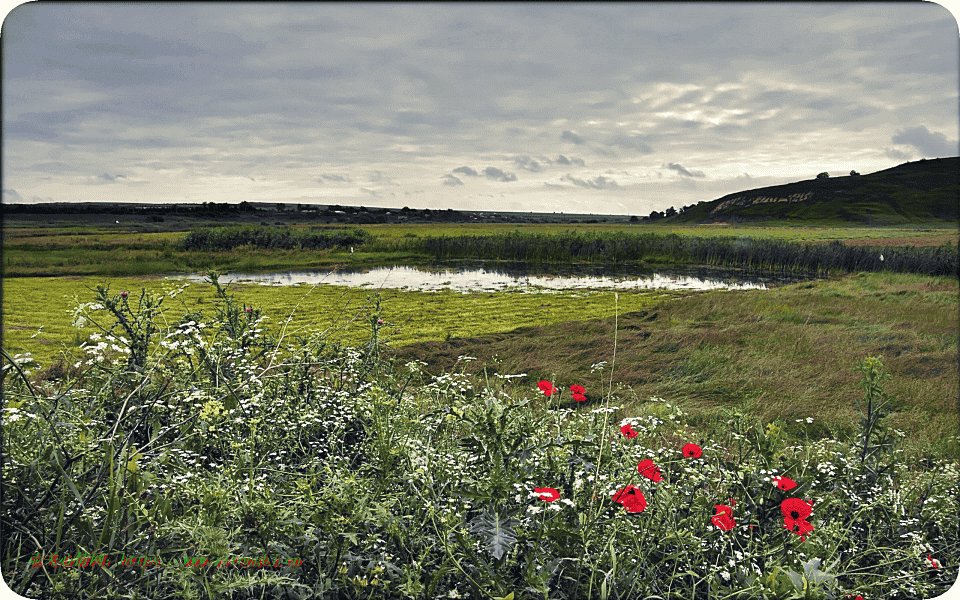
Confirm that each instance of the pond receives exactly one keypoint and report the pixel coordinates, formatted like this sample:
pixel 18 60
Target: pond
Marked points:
pixel 484 276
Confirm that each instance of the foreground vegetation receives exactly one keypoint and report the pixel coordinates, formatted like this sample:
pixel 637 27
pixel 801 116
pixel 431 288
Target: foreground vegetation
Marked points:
pixel 357 476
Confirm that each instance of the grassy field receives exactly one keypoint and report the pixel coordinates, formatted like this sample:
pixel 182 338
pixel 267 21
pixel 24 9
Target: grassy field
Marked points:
pixel 127 250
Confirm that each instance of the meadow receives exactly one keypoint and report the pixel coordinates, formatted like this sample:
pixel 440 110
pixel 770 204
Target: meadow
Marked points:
pixel 799 442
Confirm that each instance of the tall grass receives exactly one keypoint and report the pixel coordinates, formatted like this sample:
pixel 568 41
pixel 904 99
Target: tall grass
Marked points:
pixel 738 252
pixel 272 238
pixel 357 478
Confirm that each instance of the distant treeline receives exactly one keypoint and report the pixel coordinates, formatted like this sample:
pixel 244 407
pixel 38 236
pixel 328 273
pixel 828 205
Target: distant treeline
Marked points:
pixel 272 238
pixel 735 252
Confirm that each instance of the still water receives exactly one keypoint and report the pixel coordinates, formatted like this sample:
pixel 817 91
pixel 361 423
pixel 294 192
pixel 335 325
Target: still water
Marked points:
pixel 477 276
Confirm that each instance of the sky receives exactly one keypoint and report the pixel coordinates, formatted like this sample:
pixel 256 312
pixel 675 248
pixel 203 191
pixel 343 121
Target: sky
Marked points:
pixel 619 108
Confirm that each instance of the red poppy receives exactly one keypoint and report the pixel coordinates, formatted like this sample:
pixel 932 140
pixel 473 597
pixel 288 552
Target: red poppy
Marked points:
pixel 692 450
pixel 795 508
pixel 547 388
pixel 249 310
pixel 578 389
pixel 379 321
pixel 649 470
pixel 547 494
pixel 784 483
pixel 123 294
pixel 579 397
pixel 631 498
pixel 628 431
pixel 722 519
pixel 800 527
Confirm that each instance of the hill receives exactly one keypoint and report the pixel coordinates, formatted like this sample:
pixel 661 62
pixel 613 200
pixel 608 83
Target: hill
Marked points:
pixel 908 193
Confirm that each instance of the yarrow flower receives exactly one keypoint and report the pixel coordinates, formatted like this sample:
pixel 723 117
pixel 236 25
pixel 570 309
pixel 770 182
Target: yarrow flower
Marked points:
pixel 692 450
pixel 632 499
pixel 547 388
pixel 628 431
pixel 649 470
pixel 547 494
pixel 722 519
pixel 784 483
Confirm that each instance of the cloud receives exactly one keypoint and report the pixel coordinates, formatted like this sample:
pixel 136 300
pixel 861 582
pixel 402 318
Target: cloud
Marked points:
pixel 896 154
pixel 572 137
pixel 337 178
pixel 495 173
pixel 374 193
pixel 563 160
pixel 684 172
pixel 597 183
pixel 528 164
pixel 466 171
pixel 11 195
pixel 377 177
pixel 449 179
pixel 928 143
pixel 107 178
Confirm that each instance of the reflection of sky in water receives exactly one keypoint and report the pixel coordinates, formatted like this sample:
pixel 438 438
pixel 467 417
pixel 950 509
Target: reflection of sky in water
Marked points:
pixel 482 280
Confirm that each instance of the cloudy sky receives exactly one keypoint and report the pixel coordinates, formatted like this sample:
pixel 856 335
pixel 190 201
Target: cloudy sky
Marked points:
pixel 604 108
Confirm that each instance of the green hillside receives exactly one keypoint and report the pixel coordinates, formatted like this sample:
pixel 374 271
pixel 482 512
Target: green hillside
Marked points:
pixel 908 193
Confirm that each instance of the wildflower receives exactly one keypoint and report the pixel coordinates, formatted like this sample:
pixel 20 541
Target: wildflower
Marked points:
pixel 248 309
pixel 631 498
pixel 578 392
pixel 546 387
pixel 649 470
pixel 933 562
pixel 794 508
pixel 579 397
pixel 722 519
pixel 547 494
pixel 800 527
pixel 692 450
pixel 123 294
pixel 784 483
pixel 628 431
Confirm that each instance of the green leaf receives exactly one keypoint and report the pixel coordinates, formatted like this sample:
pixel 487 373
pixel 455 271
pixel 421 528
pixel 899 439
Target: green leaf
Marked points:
pixel 497 532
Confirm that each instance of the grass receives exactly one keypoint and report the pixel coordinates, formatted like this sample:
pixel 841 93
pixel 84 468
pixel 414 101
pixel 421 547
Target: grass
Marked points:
pixel 359 474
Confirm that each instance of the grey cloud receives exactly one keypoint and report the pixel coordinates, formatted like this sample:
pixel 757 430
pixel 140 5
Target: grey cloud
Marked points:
pixel 377 177
pixel 337 178
pixel 497 174
pixel 683 171
pixel 896 154
pixel 466 171
pixel 374 193
pixel 110 178
pixel 630 143
pixel 11 195
pixel 597 183
pixel 528 164
pixel 928 143
pixel 563 160
pixel 449 179
pixel 572 137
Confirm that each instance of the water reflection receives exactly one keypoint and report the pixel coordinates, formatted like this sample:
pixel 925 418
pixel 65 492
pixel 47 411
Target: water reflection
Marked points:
pixel 470 277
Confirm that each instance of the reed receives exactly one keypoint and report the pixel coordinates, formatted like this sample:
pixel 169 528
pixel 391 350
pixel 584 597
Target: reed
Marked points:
pixel 272 238
pixel 765 255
